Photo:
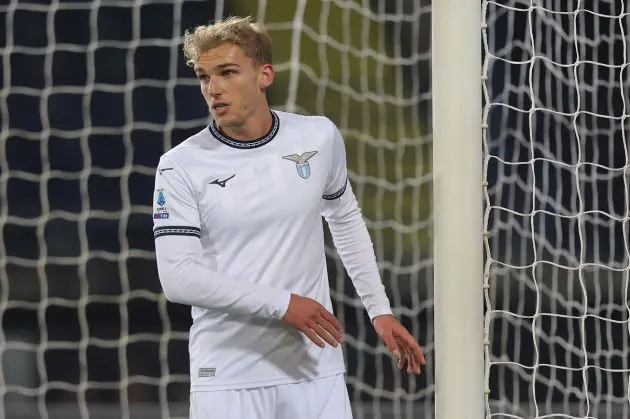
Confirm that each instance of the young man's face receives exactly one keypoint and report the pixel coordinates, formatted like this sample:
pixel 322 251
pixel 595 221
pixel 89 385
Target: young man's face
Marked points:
pixel 231 84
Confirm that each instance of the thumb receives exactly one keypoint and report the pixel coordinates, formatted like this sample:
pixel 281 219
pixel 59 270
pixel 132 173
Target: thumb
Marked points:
pixel 392 345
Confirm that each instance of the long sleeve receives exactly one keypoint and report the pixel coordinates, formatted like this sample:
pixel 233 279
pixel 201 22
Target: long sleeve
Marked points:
pixel 184 277
pixel 350 235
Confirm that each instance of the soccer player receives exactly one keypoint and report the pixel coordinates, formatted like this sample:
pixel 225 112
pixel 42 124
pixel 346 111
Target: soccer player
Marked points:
pixel 239 237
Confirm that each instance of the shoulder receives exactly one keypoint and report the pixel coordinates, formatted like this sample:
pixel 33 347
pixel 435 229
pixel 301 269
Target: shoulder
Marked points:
pixel 184 153
pixel 312 123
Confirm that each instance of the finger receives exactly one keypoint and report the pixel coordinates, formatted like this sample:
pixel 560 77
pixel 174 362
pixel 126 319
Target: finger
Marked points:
pixel 418 362
pixel 310 333
pixel 331 329
pixel 416 352
pixel 413 352
pixel 412 365
pixel 415 362
pixel 422 360
pixel 406 358
pixel 403 356
pixel 321 332
pixel 332 320
pixel 392 345
pixel 413 346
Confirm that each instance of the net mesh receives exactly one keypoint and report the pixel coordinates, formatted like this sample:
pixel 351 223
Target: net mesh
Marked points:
pixel 556 84
pixel 92 93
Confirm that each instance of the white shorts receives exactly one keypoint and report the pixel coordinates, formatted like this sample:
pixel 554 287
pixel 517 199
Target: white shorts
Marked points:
pixel 325 398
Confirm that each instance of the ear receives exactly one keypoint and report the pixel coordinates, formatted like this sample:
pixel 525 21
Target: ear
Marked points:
pixel 266 74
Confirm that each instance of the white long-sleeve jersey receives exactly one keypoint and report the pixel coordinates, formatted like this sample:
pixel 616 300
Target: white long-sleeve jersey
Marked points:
pixel 238 228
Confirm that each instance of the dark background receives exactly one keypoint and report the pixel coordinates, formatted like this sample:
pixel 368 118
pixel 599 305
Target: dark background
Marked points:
pixel 93 93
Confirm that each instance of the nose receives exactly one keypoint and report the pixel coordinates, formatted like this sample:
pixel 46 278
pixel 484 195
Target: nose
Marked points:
pixel 214 87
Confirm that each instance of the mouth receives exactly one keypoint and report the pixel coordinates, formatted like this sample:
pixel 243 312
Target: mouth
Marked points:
pixel 219 105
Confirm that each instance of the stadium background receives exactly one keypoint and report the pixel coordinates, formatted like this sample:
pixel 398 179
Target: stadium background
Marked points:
pixel 52 290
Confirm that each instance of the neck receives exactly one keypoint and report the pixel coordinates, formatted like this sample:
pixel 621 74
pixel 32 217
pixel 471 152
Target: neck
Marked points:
pixel 256 125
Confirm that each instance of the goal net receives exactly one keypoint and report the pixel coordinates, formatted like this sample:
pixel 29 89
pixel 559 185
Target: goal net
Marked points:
pixel 556 86
pixel 93 92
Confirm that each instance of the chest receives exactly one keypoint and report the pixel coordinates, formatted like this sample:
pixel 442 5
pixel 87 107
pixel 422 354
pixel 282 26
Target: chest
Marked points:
pixel 263 190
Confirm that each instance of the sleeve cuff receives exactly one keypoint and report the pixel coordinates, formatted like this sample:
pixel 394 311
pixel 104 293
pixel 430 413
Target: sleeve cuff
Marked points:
pixel 283 305
pixel 379 311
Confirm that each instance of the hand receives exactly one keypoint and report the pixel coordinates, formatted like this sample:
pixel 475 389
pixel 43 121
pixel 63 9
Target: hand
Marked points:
pixel 399 342
pixel 311 318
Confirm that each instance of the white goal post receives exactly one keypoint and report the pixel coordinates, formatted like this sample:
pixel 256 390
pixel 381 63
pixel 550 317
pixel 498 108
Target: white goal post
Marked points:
pixel 457 209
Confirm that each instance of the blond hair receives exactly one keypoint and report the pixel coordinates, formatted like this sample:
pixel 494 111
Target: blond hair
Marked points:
pixel 241 31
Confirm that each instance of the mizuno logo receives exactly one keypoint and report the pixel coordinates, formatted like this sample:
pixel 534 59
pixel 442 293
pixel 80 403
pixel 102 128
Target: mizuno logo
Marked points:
pixel 221 183
pixel 165 169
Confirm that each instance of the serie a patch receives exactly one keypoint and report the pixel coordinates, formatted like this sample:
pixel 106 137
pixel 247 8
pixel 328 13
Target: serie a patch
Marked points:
pixel 159 205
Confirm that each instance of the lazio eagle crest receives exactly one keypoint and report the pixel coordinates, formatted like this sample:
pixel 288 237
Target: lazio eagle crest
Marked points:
pixel 301 162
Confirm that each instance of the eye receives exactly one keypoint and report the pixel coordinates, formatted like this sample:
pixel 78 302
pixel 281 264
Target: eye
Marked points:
pixel 228 73
pixel 203 77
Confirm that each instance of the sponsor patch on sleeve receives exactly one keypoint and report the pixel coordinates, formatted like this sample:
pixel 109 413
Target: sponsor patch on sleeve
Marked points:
pixel 159 205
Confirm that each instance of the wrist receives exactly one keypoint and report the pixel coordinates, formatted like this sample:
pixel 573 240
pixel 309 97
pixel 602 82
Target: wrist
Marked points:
pixel 375 312
pixel 382 316
pixel 282 305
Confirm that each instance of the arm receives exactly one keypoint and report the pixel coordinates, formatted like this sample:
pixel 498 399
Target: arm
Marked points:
pixel 350 234
pixel 353 243
pixel 185 279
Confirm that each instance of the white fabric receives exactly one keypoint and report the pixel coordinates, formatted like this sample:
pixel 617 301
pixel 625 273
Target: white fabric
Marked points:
pixel 238 228
pixel 325 398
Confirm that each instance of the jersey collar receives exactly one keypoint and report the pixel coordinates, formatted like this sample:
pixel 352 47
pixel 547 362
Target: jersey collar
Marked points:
pixel 246 144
